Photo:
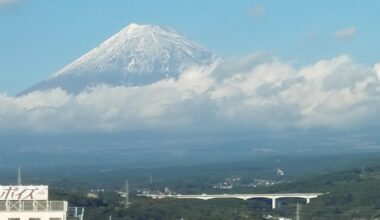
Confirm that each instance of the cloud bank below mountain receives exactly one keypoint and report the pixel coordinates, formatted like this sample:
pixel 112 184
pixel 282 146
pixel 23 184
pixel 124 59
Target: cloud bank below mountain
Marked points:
pixel 250 92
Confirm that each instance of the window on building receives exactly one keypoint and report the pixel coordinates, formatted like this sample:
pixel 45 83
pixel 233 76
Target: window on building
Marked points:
pixel 34 219
pixel 13 218
pixel 55 219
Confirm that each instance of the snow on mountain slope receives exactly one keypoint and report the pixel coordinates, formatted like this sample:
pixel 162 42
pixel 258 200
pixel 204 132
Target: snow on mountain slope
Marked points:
pixel 137 55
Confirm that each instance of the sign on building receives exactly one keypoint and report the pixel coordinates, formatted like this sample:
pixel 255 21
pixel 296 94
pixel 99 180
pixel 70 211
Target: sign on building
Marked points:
pixel 24 193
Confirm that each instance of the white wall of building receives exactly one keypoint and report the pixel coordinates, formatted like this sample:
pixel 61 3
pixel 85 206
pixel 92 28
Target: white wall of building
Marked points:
pixel 61 215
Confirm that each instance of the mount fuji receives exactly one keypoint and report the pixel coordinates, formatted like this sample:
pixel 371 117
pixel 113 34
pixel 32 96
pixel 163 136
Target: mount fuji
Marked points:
pixel 137 55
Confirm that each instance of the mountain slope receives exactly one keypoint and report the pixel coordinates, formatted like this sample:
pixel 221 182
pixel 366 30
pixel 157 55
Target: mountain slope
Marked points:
pixel 137 55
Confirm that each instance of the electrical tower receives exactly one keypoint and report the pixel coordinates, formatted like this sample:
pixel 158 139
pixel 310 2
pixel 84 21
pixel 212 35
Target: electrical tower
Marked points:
pixel 298 212
pixel 19 177
pixel 127 203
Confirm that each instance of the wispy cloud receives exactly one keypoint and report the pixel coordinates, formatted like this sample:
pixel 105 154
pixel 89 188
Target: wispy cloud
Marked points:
pixel 257 11
pixel 346 34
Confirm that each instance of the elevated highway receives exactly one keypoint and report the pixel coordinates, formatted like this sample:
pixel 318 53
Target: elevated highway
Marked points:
pixel 274 197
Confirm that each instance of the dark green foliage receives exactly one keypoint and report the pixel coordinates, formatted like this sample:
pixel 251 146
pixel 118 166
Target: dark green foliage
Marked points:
pixel 351 194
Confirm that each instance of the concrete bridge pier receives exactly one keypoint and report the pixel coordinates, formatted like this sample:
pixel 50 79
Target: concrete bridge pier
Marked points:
pixel 274 203
pixel 308 200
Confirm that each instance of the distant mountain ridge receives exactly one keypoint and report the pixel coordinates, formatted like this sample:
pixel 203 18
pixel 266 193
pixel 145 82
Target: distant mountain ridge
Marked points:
pixel 137 55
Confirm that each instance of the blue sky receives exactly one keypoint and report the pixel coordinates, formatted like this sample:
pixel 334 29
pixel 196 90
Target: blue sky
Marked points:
pixel 39 37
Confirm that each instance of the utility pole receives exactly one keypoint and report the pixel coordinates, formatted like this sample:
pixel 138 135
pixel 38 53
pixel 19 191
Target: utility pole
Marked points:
pixel 126 202
pixel 19 176
pixel 298 211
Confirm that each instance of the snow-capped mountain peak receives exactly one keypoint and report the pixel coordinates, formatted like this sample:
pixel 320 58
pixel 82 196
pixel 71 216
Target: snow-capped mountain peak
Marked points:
pixel 137 55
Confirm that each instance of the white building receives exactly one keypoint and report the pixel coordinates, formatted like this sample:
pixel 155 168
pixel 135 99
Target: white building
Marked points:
pixel 30 203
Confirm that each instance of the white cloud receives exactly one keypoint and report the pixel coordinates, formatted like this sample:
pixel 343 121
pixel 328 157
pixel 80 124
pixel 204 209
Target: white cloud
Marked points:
pixel 377 69
pixel 346 34
pixel 255 91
